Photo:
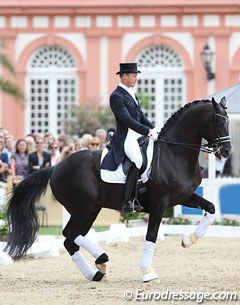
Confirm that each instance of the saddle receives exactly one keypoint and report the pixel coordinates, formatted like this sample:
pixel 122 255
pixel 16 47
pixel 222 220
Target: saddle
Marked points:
pixel 143 144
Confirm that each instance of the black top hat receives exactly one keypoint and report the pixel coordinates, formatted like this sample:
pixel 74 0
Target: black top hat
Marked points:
pixel 128 68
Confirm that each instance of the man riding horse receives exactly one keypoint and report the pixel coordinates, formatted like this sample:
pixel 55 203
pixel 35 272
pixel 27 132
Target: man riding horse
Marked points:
pixel 131 124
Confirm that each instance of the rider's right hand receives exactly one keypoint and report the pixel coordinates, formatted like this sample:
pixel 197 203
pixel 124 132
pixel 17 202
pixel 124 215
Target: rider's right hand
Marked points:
pixel 153 134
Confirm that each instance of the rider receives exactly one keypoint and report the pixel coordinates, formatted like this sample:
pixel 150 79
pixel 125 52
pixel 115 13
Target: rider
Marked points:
pixel 131 124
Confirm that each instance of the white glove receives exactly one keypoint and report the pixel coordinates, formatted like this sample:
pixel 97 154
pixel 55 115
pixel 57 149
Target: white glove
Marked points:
pixel 153 134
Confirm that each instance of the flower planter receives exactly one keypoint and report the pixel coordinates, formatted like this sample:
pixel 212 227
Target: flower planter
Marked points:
pixel 136 223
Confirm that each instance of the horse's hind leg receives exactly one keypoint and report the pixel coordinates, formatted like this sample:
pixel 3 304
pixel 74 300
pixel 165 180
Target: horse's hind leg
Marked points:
pixel 196 201
pixel 74 233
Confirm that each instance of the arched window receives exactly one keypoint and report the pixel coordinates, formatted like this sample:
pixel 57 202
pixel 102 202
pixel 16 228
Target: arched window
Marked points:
pixel 51 89
pixel 161 83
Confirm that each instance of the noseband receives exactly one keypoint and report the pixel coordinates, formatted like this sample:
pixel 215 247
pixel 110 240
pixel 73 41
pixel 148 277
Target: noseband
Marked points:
pixel 218 142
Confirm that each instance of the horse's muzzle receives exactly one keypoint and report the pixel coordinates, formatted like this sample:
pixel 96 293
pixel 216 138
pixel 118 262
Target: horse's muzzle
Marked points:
pixel 226 149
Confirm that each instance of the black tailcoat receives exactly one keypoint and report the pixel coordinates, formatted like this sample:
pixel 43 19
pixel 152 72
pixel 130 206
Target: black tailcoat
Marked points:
pixel 128 115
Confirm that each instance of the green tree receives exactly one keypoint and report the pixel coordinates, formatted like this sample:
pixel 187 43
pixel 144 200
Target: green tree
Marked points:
pixel 5 85
pixel 88 118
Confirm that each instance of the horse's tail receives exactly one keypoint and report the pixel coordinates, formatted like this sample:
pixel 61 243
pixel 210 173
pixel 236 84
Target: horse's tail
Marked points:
pixel 22 215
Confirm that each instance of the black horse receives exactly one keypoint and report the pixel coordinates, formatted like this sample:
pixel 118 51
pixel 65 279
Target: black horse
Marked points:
pixel 76 184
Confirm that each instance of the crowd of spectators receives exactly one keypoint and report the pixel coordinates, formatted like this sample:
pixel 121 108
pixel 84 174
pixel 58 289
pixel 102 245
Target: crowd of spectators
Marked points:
pixel 20 157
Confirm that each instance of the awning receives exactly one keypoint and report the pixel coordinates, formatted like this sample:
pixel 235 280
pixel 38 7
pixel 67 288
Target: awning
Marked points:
pixel 232 95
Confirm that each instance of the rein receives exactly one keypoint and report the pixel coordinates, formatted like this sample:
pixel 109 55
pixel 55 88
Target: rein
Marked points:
pixel 208 148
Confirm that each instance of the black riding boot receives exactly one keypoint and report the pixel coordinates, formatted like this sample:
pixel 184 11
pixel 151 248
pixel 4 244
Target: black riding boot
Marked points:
pixel 131 182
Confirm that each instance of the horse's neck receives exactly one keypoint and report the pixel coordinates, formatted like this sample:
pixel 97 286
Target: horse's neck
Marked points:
pixel 186 133
pixel 187 129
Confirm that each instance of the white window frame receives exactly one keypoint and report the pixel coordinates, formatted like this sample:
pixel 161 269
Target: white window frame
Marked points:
pixel 52 74
pixel 159 74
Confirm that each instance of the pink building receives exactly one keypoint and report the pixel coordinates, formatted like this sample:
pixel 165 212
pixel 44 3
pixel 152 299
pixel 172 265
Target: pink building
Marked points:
pixel 67 52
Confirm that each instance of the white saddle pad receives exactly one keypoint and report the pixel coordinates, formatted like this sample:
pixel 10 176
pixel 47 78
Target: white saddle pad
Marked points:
pixel 118 175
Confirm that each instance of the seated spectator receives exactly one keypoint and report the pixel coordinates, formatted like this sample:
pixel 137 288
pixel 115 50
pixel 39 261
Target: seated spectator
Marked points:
pixel 71 146
pixel 3 162
pixel 30 143
pixel 62 141
pixel 3 132
pixel 54 152
pixel 86 140
pixel 66 151
pixel 95 144
pixel 39 158
pixel 9 146
pixel 102 134
pixel 19 161
pixel 78 144
pixel 48 138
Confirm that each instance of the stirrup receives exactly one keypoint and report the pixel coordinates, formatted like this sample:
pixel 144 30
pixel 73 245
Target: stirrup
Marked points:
pixel 132 206
pixel 128 207
pixel 137 206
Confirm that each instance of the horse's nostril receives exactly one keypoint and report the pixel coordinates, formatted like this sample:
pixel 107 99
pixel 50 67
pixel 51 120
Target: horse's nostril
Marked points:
pixel 227 152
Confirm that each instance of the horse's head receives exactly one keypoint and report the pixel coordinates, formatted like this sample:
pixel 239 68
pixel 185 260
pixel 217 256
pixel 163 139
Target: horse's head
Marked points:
pixel 218 133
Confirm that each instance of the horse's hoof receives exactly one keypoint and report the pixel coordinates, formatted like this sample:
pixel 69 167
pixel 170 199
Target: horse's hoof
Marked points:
pixel 102 268
pixel 188 241
pixel 98 276
pixel 100 263
pixel 183 245
pixel 103 258
pixel 149 275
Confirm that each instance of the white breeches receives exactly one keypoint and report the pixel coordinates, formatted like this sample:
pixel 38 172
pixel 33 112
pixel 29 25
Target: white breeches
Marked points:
pixel 131 148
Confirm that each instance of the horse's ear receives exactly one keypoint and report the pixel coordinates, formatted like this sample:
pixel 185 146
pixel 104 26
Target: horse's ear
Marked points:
pixel 214 103
pixel 223 102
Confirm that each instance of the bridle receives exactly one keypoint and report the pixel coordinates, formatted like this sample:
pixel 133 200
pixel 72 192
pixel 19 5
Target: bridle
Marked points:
pixel 212 147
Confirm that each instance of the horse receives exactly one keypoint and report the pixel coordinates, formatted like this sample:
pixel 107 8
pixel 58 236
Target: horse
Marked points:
pixel 76 183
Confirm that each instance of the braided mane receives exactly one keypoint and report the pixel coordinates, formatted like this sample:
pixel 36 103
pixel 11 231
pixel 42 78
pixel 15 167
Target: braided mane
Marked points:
pixel 172 120
pixel 155 173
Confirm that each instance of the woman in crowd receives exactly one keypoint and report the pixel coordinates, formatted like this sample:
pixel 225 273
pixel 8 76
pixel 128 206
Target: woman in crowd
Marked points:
pixel 54 152
pixel 39 158
pixel 19 161
pixel 3 162
pixel 48 138
pixel 71 145
pixel 9 146
pixel 86 140
pixel 30 143
pixel 95 144
pixel 102 135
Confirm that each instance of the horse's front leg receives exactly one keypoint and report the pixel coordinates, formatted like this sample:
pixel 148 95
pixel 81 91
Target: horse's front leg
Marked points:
pixel 155 217
pixel 196 201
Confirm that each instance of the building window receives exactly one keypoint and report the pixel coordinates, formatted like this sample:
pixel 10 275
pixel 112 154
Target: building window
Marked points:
pixel 162 82
pixel 53 56
pixel 51 90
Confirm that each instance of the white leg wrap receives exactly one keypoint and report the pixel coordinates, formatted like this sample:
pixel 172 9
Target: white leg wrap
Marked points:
pixel 204 224
pixel 146 260
pixel 87 244
pixel 83 265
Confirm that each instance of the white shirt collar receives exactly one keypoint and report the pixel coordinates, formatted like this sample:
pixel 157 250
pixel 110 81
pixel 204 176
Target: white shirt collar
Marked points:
pixel 125 87
pixel 129 90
